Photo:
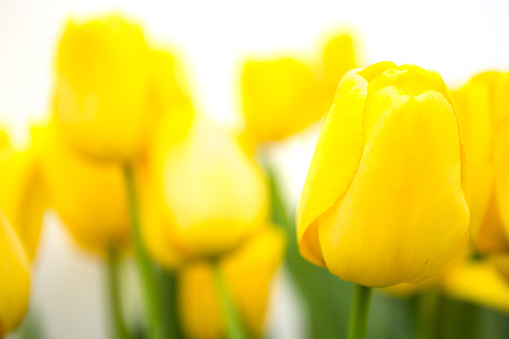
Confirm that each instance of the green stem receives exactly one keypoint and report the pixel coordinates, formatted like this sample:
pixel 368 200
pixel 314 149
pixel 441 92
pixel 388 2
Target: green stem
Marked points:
pixel 425 322
pixel 234 324
pixel 156 328
pixel 119 328
pixel 359 313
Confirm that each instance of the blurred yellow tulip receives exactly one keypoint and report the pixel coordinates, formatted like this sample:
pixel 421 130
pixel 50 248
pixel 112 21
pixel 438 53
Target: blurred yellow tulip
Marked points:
pixel 15 281
pixel 283 96
pixel 103 101
pixel 89 197
pixel 385 199
pixel 23 196
pixel 482 106
pixel 213 195
pixel 248 272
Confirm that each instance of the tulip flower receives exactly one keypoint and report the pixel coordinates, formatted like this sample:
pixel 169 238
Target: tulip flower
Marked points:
pixel 15 282
pixel 23 198
pixel 248 272
pixel 385 199
pixel 482 106
pixel 89 197
pixel 283 96
pixel 102 96
pixel 212 194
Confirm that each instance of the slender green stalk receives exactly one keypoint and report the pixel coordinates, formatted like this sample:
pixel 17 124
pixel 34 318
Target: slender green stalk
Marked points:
pixel 155 323
pixel 119 329
pixel 359 314
pixel 425 314
pixel 233 321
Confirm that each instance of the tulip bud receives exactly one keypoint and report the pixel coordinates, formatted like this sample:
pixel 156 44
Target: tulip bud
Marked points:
pixel 213 195
pixel 15 281
pixel 102 100
pixel 89 197
pixel 248 272
pixel 23 196
pixel 482 106
pixel 385 198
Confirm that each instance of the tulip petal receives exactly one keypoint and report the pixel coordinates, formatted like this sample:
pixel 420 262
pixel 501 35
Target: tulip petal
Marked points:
pixel 15 282
pixel 501 160
pixel 334 163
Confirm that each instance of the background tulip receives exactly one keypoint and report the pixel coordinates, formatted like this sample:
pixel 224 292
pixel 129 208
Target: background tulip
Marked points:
pixel 281 97
pixel 15 282
pixel 385 198
pixel 102 100
pixel 210 188
pixel 481 105
pixel 89 197
pixel 248 271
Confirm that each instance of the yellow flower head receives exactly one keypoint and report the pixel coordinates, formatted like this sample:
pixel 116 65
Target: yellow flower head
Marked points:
pixel 15 282
pixel 102 99
pixel 384 200
pixel 23 198
pixel 248 273
pixel 90 197
pixel 283 96
pixel 483 109
pixel 213 195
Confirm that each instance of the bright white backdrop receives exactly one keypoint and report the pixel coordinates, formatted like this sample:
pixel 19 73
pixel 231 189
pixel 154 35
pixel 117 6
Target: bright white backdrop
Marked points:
pixel 457 38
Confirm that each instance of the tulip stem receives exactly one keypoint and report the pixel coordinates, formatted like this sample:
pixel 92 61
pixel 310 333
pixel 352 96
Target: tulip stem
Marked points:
pixel 119 328
pixel 359 312
pixel 233 321
pixel 155 325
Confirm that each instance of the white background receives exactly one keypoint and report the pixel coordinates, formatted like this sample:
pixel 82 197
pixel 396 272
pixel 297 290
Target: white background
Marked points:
pixel 457 38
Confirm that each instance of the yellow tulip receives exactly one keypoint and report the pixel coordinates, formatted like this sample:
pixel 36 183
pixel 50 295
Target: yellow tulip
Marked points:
pixel 89 197
pixel 481 106
pixel 248 272
pixel 102 97
pixel 15 281
pixel 385 198
pixel 212 194
pixel 23 198
pixel 283 96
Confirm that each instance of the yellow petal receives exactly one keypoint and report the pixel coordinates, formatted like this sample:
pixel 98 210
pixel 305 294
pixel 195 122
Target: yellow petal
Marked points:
pixel 334 163
pixel 501 160
pixel 477 282
pixel 102 90
pixel 248 272
pixel 338 58
pixel 214 191
pixel 15 282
